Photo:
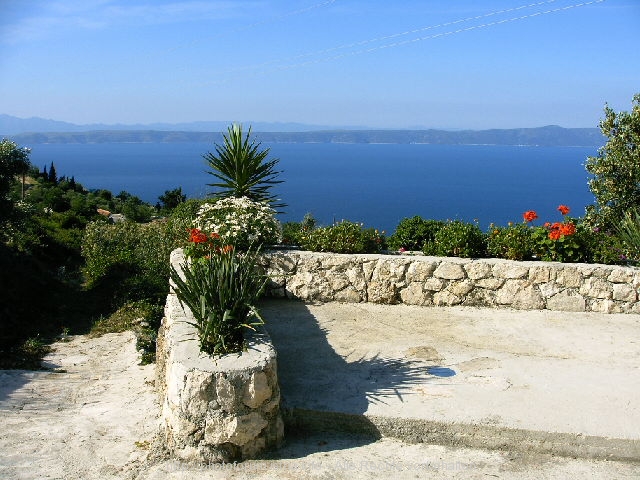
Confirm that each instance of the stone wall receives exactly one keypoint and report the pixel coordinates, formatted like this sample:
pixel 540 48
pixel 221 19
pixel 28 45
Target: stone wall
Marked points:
pixel 215 409
pixel 422 280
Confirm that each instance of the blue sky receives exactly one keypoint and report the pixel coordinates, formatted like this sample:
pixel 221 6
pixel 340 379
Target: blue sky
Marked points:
pixel 374 63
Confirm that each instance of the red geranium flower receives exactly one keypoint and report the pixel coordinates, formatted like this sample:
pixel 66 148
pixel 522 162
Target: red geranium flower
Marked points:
pixel 197 236
pixel 563 209
pixel 555 234
pixel 530 215
pixel 568 229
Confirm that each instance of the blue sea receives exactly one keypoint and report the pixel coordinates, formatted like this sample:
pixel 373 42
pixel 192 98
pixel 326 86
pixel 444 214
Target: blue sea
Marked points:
pixel 377 184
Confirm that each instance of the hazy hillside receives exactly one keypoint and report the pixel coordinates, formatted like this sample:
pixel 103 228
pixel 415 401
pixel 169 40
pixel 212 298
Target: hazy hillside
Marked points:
pixel 543 136
pixel 10 125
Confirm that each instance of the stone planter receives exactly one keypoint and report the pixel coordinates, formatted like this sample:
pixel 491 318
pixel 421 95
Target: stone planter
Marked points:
pixel 215 409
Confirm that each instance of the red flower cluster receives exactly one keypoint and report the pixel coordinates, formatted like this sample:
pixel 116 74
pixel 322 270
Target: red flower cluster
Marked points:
pixel 558 229
pixel 530 215
pixel 199 237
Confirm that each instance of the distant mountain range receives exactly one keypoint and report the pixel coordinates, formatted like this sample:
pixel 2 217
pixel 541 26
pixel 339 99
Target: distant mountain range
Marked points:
pixel 37 130
pixel 10 125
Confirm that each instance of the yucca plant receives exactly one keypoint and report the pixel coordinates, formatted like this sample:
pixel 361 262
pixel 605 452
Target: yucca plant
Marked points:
pixel 243 169
pixel 221 291
pixel 628 230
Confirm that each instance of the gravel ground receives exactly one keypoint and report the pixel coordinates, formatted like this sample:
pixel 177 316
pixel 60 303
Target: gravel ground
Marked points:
pixel 93 415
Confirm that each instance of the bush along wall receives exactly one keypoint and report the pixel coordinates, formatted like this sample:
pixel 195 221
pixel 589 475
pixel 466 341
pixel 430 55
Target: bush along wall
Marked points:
pixel 447 281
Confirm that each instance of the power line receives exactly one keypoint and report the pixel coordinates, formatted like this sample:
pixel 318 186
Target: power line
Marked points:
pixel 279 66
pixel 378 39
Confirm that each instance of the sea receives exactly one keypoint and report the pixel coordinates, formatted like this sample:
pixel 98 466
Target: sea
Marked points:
pixel 375 184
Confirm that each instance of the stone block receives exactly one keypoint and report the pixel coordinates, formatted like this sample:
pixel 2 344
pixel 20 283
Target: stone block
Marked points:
pixel 490 283
pixel 624 292
pixel 565 301
pixel 238 430
pixel 520 294
pixel 510 270
pixel 461 288
pixel 414 294
pixel 595 287
pixel 350 295
pixel 570 277
pixel 257 390
pixel 392 270
pixel 382 292
pixel 621 275
pixel 420 271
pixel 449 271
pixel 446 298
pixel 549 289
pixel 477 269
pixel 542 274
pixel 434 284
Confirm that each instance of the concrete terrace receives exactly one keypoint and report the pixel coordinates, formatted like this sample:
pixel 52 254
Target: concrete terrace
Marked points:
pixel 557 383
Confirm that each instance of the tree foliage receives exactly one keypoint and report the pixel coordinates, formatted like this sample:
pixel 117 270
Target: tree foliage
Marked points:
pixel 242 168
pixel 616 169
pixel 13 161
pixel 172 198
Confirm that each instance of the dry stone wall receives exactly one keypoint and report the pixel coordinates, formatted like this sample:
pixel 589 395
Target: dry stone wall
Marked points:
pixel 435 281
pixel 215 409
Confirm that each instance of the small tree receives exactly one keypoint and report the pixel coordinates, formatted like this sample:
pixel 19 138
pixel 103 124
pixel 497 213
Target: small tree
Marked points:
pixel 14 161
pixel 172 198
pixel 243 169
pixel 616 169
pixel 53 177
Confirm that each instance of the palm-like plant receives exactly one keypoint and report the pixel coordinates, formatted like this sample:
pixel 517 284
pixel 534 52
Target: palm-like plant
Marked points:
pixel 628 230
pixel 242 169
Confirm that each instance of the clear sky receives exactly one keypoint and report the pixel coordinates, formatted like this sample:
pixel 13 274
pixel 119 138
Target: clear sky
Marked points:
pixel 375 63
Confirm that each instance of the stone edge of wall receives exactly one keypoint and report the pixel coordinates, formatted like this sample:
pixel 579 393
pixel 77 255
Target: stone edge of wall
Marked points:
pixel 221 409
pixel 447 281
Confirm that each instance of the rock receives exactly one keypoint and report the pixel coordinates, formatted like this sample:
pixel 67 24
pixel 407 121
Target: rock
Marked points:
pixel 477 270
pixel 257 390
pixel 449 271
pixel 520 294
pixel 414 294
pixel 624 292
pixel 238 430
pixel 569 277
pixel 565 301
pixel 596 288
pixel 510 270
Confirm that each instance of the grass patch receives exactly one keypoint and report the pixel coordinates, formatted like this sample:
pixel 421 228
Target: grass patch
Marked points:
pixel 25 356
pixel 142 318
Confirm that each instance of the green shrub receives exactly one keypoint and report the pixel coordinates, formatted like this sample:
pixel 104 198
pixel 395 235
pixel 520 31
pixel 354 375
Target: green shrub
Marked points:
pixel 603 247
pixel 129 260
pixel 343 237
pixel 221 290
pixel 514 242
pixel 412 233
pixel 293 232
pixel 240 222
pixel 628 231
pixel 457 239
